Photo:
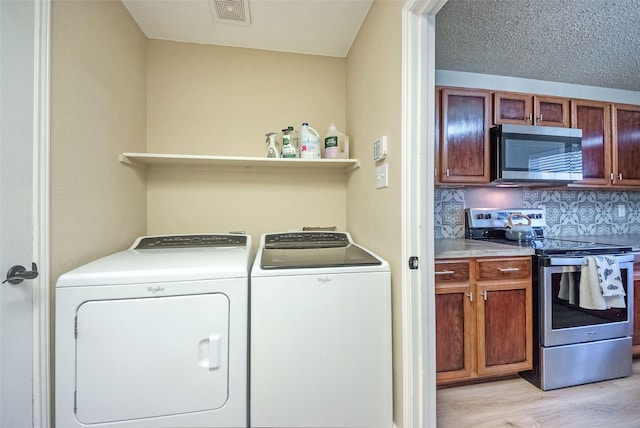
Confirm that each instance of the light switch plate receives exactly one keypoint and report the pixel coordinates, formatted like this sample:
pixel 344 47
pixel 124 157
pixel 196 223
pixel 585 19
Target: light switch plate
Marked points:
pixel 382 176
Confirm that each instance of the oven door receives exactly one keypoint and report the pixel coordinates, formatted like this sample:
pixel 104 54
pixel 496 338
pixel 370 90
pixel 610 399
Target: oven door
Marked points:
pixel 563 319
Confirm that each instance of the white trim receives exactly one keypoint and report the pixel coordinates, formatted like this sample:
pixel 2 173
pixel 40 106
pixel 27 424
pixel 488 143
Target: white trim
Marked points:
pixel 418 297
pixel 411 331
pixel 41 301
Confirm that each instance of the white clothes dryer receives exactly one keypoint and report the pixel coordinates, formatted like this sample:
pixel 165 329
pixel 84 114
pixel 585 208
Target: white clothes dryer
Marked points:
pixel 320 333
pixel 155 336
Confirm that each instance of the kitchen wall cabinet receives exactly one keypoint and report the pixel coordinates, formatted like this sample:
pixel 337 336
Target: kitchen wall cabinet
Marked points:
pixel 464 136
pixel 610 141
pixel 526 109
pixel 594 118
pixel 626 145
pixel 483 318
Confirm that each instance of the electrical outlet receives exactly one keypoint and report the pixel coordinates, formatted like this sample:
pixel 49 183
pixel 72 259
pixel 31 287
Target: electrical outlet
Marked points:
pixel 621 210
pixel 382 176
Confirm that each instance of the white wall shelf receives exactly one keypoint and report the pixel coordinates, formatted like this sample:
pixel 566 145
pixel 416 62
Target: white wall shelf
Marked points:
pixel 239 163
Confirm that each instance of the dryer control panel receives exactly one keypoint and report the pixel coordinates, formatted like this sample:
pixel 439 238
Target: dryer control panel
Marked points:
pixel 186 241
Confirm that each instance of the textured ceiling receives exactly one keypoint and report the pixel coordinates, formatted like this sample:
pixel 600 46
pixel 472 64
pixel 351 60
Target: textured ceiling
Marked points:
pixel 586 42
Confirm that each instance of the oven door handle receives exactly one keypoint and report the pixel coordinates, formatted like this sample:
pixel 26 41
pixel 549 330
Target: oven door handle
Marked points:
pixel 579 261
pixel 564 261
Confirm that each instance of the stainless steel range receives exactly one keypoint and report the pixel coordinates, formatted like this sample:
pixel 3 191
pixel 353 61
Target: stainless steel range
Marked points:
pixel 574 343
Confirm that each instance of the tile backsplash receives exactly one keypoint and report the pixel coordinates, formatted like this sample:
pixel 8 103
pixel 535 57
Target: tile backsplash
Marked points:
pixel 569 212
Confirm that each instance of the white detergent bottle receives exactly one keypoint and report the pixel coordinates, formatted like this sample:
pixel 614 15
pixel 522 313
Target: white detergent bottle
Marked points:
pixel 309 142
pixel 336 144
pixel 272 150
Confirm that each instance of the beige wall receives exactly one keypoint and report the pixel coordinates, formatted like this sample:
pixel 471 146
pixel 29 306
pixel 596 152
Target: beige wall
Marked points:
pixel 374 67
pixel 215 100
pixel 98 206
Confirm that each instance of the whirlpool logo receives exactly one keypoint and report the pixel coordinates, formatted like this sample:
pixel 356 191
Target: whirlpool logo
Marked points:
pixel 324 279
pixel 154 290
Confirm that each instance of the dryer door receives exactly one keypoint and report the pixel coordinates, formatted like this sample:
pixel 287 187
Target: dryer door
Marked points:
pixel 151 357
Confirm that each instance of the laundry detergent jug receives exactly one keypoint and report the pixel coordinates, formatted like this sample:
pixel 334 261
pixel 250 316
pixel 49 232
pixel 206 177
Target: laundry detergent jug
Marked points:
pixel 309 142
pixel 336 144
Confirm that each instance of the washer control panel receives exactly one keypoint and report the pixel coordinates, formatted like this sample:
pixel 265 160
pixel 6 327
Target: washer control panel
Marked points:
pixel 190 241
pixel 306 239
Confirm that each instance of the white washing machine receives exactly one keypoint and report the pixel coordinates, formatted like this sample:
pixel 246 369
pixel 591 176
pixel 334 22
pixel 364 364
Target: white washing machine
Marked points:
pixel 320 334
pixel 155 336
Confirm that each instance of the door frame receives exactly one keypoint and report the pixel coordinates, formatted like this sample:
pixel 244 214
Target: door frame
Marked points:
pixel 418 164
pixel 41 180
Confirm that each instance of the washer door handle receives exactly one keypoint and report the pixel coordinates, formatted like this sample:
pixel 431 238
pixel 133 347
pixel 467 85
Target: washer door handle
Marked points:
pixel 18 273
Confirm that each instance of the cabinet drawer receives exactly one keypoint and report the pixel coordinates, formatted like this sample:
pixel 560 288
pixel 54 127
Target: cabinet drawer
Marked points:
pixel 454 271
pixel 504 268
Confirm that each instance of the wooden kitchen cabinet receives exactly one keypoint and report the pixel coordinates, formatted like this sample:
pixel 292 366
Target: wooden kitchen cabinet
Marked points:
pixel 464 136
pixel 594 118
pixel 455 324
pixel 483 318
pixel 626 145
pixel 527 109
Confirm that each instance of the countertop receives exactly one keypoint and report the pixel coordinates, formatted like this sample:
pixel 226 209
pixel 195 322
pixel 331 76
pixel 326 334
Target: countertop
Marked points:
pixel 627 239
pixel 461 248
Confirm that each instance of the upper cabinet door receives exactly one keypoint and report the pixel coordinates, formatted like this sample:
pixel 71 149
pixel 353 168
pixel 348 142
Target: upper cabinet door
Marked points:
pixel 464 148
pixel 551 111
pixel 626 145
pixel 594 118
pixel 516 109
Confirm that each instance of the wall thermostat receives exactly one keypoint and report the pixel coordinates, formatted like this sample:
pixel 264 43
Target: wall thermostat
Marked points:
pixel 380 148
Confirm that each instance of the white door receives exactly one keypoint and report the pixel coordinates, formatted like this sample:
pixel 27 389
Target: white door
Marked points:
pixel 21 208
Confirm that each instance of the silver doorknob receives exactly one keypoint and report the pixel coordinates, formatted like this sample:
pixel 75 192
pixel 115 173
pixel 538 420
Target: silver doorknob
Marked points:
pixel 18 273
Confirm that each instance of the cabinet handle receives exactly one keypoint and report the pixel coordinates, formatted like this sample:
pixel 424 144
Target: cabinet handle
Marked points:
pixel 509 269
pixel 620 176
pixel 484 294
pixel 445 272
pixel 469 295
pixel 611 176
pixel 540 118
pixel 447 172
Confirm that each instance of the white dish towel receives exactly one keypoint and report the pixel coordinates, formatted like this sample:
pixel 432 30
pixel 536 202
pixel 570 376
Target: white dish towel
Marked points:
pixel 601 283
pixel 568 284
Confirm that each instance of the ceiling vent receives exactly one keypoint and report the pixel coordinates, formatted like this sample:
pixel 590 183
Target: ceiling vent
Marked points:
pixel 231 11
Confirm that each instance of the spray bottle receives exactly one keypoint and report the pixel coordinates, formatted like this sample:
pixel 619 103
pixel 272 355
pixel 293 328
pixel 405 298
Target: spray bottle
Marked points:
pixel 272 150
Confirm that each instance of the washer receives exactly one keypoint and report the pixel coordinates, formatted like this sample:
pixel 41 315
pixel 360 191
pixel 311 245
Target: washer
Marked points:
pixel 320 335
pixel 155 336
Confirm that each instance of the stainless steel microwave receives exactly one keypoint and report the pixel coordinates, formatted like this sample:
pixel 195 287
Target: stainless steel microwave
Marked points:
pixel 526 153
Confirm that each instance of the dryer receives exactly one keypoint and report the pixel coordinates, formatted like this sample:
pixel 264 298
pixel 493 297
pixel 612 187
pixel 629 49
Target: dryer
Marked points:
pixel 320 333
pixel 155 336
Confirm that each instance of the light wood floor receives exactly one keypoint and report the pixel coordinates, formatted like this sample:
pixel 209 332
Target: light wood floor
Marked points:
pixel 517 403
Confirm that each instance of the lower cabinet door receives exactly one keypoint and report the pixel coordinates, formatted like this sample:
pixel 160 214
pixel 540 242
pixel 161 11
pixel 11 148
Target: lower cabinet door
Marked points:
pixel 455 333
pixel 504 329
